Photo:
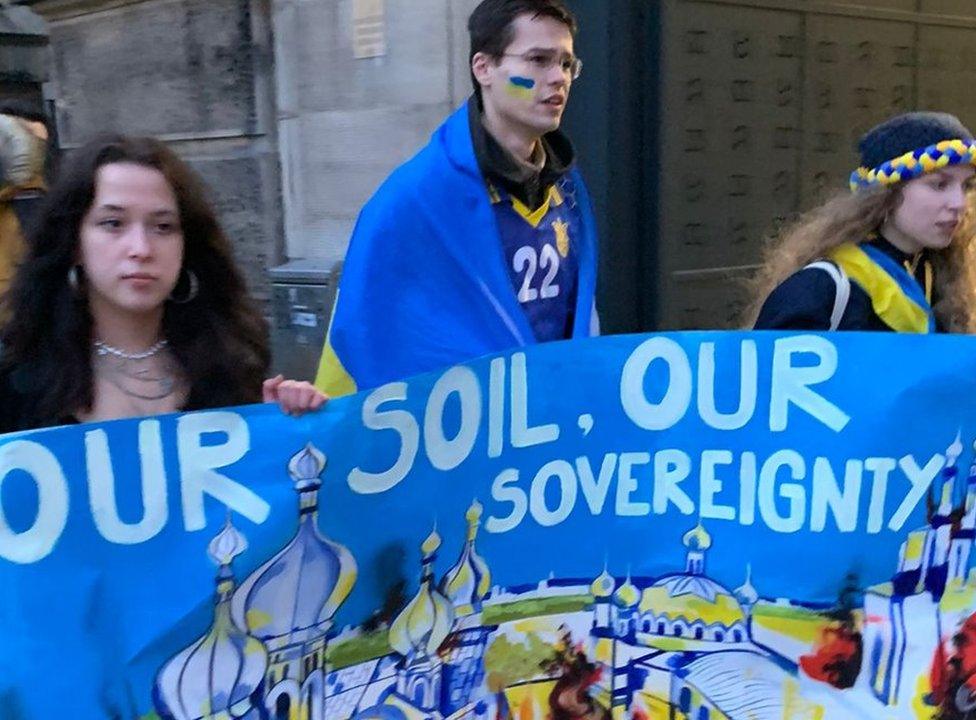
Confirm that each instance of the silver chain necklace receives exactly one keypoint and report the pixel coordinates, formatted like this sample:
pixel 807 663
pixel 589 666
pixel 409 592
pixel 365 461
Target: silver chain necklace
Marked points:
pixel 133 374
pixel 105 349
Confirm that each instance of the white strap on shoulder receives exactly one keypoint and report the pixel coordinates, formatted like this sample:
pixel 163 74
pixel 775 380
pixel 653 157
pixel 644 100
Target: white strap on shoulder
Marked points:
pixel 843 294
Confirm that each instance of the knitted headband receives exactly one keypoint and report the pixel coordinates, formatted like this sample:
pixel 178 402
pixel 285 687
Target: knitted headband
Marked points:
pixel 910 145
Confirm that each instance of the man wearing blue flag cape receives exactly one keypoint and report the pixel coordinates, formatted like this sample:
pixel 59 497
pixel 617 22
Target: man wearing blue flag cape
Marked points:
pixel 485 240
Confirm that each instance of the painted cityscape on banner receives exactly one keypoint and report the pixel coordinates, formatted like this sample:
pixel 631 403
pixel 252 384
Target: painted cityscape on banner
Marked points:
pixel 603 645
pixel 688 526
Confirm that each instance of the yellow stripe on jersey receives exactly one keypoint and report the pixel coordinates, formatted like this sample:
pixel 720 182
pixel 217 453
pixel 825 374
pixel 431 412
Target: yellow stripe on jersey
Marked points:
pixel 534 217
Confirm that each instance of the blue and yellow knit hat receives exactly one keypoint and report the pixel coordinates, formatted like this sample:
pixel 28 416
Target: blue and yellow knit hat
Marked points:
pixel 910 145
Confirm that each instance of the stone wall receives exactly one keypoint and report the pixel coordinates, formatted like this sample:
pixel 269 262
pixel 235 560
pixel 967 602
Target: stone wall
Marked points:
pixel 266 99
pixel 345 123
pixel 197 74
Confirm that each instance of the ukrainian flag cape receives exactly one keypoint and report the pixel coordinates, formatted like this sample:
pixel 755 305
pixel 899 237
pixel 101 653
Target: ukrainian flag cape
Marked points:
pixel 425 283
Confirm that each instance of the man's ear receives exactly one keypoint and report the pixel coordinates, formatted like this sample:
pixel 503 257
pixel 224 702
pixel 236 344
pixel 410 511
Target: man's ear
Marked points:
pixel 482 67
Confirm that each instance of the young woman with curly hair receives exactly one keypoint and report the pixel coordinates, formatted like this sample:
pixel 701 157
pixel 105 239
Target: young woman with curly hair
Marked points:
pixel 129 302
pixel 896 253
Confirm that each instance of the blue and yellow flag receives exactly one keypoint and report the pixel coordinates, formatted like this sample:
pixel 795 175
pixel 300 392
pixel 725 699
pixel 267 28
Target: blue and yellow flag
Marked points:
pixel 425 283
pixel 896 296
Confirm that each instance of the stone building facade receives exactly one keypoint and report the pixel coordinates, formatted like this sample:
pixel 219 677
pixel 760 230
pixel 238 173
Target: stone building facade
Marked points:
pixel 700 124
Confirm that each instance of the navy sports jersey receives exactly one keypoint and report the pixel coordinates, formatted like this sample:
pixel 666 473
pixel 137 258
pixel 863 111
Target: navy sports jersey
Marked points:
pixel 541 257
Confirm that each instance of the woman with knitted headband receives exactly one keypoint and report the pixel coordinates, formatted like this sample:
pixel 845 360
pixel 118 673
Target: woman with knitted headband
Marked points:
pixel 895 254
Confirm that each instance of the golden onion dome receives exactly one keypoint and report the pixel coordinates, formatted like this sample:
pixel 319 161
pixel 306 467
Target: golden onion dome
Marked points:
pixel 627 595
pixel 431 544
pixel 697 538
pixel 468 583
pixel 426 621
pixel 603 586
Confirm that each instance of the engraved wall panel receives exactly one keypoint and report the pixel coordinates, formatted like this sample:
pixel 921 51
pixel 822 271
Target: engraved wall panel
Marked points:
pixel 956 8
pixel 761 109
pixel 858 73
pixel 731 141
pixel 908 5
pixel 947 66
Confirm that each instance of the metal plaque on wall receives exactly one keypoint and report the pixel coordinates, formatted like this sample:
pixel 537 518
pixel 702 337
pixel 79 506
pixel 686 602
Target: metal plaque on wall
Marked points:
pixel 368 29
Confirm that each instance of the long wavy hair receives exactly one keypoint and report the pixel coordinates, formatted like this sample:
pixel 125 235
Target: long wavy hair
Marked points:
pixel 219 339
pixel 852 218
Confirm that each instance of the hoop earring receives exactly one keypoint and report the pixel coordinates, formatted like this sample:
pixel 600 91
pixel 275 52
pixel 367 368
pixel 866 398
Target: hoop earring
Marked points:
pixel 194 288
pixel 74 281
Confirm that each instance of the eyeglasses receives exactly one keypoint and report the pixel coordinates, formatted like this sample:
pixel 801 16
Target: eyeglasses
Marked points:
pixel 543 60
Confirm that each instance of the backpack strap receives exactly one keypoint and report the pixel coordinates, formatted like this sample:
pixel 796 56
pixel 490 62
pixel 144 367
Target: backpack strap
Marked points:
pixel 843 294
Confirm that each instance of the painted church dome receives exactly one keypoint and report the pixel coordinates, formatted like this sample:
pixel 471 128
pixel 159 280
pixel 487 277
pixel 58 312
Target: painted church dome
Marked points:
pixel 217 675
pixel 603 586
pixel 468 583
pixel 298 590
pixel 697 538
pixel 627 595
pixel 692 598
pixel 426 621
pixel 381 712
pixel 746 594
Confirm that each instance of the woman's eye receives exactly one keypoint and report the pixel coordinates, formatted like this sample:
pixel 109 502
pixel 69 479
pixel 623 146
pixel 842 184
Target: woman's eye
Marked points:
pixel 539 60
pixel 110 223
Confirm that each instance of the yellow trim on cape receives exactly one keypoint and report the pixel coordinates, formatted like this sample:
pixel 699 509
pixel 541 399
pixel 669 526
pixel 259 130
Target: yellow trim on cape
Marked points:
pixel 332 377
pixel 896 310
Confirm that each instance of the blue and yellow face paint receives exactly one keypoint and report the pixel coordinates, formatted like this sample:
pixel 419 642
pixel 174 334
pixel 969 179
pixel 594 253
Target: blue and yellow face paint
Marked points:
pixel 521 87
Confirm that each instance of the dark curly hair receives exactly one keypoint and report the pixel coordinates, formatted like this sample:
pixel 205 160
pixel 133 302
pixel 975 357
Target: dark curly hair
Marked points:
pixel 219 339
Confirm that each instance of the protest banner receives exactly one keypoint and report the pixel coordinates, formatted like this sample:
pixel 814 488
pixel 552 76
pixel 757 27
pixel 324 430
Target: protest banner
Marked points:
pixel 689 525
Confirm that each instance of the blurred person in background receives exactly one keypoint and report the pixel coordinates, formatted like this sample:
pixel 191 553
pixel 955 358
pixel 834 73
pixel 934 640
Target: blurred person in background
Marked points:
pixel 23 153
